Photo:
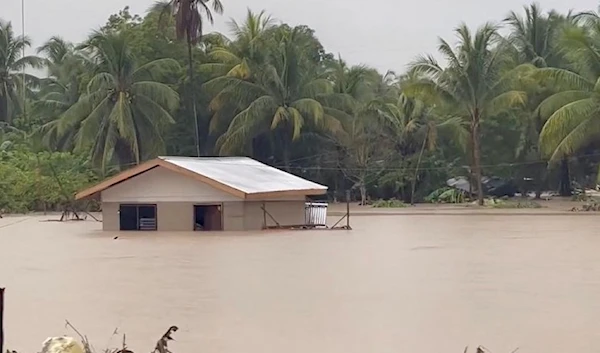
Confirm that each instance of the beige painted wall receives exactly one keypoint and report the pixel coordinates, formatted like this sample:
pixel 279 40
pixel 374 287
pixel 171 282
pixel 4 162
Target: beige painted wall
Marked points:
pixel 110 216
pixel 175 216
pixel 285 212
pixel 233 216
pixel 237 216
pixel 162 185
pixel 170 216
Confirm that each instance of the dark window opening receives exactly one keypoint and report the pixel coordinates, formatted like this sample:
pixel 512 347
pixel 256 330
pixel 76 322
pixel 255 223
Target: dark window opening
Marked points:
pixel 137 217
pixel 207 217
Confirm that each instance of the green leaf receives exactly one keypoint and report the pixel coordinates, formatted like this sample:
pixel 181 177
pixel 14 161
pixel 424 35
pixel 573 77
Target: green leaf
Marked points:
pixel 562 123
pixel 556 101
pixel 310 108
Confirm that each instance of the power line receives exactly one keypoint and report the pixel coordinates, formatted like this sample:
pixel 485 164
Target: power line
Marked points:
pixel 383 168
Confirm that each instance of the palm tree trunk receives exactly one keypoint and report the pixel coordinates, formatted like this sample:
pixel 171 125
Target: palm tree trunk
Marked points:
pixel 414 181
pixel 477 157
pixel 564 186
pixel 363 193
pixel 4 107
pixel 540 179
pixel 286 158
pixel 193 93
pixel 285 149
pixel 470 160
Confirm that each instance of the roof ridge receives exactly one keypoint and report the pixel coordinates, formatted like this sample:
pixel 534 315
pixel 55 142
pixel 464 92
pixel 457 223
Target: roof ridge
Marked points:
pixel 208 157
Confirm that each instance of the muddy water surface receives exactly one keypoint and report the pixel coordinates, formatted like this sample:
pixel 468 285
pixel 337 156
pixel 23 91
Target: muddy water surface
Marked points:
pixel 394 284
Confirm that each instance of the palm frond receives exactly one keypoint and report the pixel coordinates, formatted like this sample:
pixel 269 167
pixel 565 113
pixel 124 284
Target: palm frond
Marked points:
pixel 581 136
pixel 90 123
pixel 102 81
pixel 160 93
pixel 310 108
pixel 297 121
pixel 317 87
pixel 81 110
pixel 246 123
pixel 224 56
pixel 506 101
pixel 556 101
pixel 214 70
pixel 564 121
pixel 562 79
pixel 122 117
pixel 156 70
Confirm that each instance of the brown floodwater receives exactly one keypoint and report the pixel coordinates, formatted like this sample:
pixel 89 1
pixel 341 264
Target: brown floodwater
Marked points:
pixel 394 284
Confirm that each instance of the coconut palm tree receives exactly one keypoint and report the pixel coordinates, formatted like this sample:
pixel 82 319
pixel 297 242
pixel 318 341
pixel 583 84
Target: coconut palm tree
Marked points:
pixel 13 82
pixel 249 35
pixel 125 108
pixel 352 102
pixel 573 113
pixel 415 127
pixel 474 83
pixel 245 52
pixel 189 26
pixel 60 90
pixel 535 36
pixel 280 101
pixel 536 39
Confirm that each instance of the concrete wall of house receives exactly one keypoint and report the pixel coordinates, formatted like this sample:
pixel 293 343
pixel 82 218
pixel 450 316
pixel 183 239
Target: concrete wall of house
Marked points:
pixel 162 185
pixel 237 216
pixel 170 216
pixel 175 216
pixel 233 216
pixel 110 216
pixel 285 212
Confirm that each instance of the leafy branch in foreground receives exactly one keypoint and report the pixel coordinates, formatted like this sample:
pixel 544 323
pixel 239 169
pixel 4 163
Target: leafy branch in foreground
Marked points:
pixel 70 345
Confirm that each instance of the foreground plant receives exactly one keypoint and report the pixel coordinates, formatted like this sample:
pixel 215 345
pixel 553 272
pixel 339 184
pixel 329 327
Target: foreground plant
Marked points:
pixel 70 345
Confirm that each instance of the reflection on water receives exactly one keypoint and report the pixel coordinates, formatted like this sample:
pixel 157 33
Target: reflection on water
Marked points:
pixel 395 283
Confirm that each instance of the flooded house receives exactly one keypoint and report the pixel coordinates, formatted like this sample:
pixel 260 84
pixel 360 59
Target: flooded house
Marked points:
pixel 186 194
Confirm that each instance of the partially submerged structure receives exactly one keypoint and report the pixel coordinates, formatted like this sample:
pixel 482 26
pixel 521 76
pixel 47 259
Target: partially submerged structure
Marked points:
pixel 184 194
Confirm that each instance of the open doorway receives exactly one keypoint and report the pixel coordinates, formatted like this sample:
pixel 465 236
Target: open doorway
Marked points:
pixel 207 218
pixel 137 217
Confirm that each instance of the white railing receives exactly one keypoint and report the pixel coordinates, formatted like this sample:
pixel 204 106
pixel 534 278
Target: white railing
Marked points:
pixel 147 223
pixel 315 213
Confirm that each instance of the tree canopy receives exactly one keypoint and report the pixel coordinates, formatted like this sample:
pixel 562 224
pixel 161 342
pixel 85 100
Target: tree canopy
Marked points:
pixel 516 99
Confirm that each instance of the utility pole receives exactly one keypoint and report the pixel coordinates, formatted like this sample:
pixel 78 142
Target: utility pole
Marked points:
pixel 1 319
pixel 23 69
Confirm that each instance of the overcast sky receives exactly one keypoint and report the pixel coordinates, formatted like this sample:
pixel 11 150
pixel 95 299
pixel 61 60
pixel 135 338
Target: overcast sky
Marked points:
pixel 386 34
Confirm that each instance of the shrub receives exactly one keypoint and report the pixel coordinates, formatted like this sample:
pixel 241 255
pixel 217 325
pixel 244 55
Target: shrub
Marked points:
pixel 41 181
pixel 447 195
pixel 507 204
pixel 391 203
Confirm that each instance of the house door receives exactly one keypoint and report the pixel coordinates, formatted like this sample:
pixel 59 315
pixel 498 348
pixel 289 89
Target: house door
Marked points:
pixel 208 217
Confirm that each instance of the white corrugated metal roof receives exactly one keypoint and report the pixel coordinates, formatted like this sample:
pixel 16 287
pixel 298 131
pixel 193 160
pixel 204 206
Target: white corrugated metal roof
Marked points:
pixel 244 174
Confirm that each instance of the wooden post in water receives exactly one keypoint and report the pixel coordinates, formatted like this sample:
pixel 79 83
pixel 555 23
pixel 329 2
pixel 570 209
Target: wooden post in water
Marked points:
pixel 1 319
pixel 264 220
pixel 348 209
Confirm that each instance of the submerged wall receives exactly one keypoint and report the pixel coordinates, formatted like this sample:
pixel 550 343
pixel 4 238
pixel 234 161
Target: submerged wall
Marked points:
pixel 237 216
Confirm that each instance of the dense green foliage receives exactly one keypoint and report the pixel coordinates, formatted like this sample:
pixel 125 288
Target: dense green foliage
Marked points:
pixel 522 106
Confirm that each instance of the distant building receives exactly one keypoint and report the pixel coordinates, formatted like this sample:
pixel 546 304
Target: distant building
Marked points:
pixel 185 194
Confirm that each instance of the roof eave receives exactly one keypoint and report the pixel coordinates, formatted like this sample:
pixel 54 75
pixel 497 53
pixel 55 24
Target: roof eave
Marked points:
pixel 285 193
pixel 127 174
